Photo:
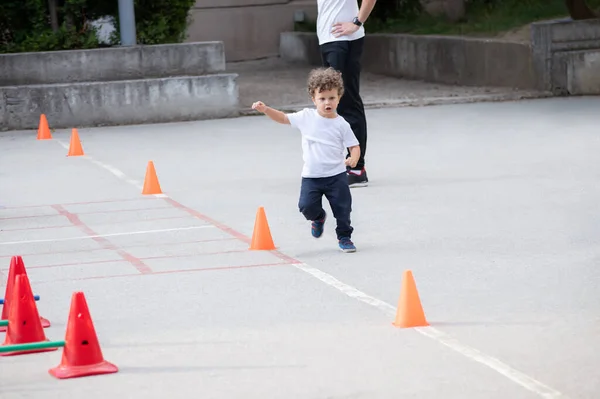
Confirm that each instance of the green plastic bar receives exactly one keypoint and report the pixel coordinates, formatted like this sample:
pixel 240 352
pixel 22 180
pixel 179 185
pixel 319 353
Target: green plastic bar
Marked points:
pixel 3 323
pixel 33 345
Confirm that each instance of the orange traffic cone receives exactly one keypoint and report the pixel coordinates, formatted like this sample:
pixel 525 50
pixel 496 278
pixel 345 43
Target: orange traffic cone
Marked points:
pixel 410 312
pixel 75 148
pixel 16 268
pixel 43 129
pixel 261 237
pixel 81 355
pixel 151 185
pixel 24 325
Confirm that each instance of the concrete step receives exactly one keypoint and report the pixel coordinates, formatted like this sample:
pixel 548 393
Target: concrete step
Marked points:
pixel 120 102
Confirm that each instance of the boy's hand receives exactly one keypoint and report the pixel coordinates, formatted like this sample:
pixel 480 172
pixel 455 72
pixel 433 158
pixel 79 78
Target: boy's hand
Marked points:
pixel 272 113
pixel 259 106
pixel 351 162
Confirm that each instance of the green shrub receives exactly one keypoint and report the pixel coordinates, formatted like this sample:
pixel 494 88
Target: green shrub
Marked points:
pixel 25 25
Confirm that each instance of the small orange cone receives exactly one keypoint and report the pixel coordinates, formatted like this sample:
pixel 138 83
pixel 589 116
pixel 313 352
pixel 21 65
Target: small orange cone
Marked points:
pixel 82 355
pixel 261 237
pixel 43 129
pixel 410 312
pixel 151 184
pixel 75 148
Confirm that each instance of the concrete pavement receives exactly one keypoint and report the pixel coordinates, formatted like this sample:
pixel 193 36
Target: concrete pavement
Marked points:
pixel 493 206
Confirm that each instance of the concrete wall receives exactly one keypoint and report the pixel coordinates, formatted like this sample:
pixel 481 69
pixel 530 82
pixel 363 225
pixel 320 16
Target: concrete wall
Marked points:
pixel 250 29
pixel 558 55
pixel 113 86
pixel 108 64
pixel 451 60
pixel 577 72
pixel 119 102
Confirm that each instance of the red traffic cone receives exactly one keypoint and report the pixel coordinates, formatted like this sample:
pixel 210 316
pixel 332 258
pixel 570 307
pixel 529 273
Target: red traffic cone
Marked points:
pixel 24 325
pixel 16 267
pixel 81 355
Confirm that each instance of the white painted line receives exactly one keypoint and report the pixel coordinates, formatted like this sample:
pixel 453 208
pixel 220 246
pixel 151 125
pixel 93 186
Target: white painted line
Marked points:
pixel 516 376
pixel 127 233
pixel 114 171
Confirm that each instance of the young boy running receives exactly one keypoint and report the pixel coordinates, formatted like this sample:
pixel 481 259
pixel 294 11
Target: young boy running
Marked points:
pixel 325 138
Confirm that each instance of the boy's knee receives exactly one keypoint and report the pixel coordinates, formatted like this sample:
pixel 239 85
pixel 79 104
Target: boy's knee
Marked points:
pixel 311 211
pixel 310 207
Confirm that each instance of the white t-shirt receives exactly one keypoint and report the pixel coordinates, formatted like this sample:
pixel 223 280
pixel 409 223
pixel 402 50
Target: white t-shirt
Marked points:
pixel 324 142
pixel 331 11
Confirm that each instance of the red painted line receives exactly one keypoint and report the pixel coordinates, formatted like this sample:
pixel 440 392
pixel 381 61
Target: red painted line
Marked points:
pixel 206 269
pixel 38 228
pixel 28 217
pixel 98 224
pixel 123 210
pixel 233 251
pixel 86 213
pixel 137 263
pixel 122 247
pixel 226 229
pixel 222 268
pixel 93 262
pixel 83 203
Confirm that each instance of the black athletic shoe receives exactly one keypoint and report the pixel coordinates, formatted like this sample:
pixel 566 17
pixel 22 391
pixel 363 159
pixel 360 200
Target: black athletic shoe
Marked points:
pixel 357 178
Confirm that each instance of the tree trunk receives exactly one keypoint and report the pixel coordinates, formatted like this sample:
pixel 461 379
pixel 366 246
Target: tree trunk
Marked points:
pixel 53 15
pixel 579 10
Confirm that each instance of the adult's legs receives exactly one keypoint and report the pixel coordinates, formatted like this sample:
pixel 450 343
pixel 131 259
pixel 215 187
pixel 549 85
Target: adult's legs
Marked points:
pixel 345 56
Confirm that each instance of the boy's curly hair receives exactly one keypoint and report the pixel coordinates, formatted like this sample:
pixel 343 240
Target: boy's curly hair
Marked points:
pixel 321 79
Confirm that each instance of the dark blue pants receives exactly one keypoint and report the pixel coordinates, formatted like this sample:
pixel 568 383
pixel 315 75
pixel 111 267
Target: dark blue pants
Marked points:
pixel 337 192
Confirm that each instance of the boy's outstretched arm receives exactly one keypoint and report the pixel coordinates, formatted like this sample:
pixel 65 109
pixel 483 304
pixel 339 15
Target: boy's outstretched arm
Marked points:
pixel 272 113
pixel 354 156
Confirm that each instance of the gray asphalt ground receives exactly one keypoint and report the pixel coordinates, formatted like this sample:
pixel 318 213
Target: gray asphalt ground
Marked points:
pixel 493 206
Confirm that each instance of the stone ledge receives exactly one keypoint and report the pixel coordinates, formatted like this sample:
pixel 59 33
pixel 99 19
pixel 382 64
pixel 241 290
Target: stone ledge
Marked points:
pixel 449 60
pixel 122 102
pixel 577 72
pixel 111 64
pixel 550 40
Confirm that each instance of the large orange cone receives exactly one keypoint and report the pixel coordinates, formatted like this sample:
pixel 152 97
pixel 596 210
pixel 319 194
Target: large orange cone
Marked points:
pixel 43 129
pixel 410 312
pixel 81 355
pixel 16 267
pixel 151 185
pixel 24 326
pixel 75 148
pixel 261 237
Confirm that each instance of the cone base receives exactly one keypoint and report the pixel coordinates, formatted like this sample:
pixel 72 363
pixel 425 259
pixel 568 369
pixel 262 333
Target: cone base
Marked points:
pixel 262 248
pixel 65 371
pixel 401 324
pixel 45 324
